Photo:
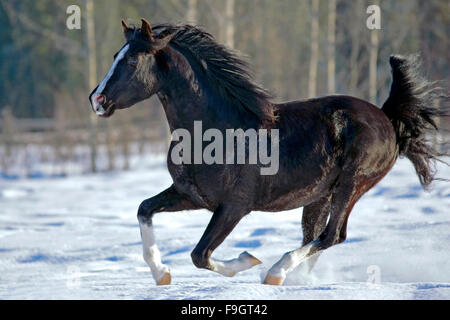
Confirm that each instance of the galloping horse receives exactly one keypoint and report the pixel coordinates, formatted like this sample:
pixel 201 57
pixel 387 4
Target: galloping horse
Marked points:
pixel 332 149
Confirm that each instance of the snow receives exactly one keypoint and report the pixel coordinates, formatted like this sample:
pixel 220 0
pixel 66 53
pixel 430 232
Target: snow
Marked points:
pixel 77 237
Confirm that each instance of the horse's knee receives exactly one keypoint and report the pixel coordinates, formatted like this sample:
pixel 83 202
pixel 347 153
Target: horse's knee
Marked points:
pixel 144 211
pixel 199 260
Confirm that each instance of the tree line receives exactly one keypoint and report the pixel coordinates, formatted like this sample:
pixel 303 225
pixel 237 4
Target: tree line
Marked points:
pixel 297 49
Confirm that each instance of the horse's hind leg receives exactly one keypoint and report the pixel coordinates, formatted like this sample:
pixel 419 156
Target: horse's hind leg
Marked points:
pixel 341 205
pixel 168 200
pixel 314 220
pixel 224 219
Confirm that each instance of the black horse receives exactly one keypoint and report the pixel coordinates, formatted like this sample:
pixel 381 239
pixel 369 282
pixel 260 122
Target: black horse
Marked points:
pixel 331 149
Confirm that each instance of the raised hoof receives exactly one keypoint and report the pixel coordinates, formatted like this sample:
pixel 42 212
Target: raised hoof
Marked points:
pixel 273 280
pixel 247 256
pixel 165 280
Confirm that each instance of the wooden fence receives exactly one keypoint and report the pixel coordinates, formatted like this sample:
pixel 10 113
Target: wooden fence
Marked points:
pixel 28 145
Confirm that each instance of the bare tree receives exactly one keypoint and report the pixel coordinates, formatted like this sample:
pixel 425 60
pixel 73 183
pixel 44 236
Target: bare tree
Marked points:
pixel 60 140
pixel 111 144
pixel 331 46
pixel 192 12
pixel 374 46
pixel 229 23
pixel 104 53
pixel 314 59
pixel 7 139
pixel 125 138
pixel 356 46
pixel 92 81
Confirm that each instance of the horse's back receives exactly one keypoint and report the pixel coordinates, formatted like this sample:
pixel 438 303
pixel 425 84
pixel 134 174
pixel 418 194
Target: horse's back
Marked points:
pixel 341 116
pixel 357 109
pixel 319 139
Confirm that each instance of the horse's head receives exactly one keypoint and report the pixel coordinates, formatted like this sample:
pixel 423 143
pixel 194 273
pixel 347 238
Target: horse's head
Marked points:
pixel 135 75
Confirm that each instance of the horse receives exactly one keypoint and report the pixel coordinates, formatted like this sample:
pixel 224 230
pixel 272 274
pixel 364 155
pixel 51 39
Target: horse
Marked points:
pixel 332 149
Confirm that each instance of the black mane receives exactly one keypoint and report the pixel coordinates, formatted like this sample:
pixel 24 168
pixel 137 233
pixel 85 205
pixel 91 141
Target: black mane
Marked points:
pixel 224 68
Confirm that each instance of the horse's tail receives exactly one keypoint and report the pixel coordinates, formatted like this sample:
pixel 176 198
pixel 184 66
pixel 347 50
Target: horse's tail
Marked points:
pixel 412 109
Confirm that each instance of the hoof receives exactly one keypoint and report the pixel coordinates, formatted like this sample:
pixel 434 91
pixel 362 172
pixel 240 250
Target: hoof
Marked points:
pixel 251 259
pixel 273 280
pixel 164 280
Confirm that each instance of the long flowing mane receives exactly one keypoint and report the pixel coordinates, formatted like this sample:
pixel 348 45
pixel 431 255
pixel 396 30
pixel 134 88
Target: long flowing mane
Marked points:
pixel 224 68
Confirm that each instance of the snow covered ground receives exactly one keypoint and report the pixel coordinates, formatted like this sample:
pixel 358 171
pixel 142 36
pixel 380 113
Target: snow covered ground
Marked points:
pixel 78 238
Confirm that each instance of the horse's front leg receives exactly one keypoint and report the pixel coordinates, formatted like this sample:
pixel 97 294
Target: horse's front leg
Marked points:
pixel 224 219
pixel 168 200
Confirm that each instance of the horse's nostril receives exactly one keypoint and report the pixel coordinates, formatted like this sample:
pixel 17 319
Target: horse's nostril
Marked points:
pixel 100 99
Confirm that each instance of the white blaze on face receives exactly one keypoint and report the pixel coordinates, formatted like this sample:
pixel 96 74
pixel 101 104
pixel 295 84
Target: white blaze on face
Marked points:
pixel 98 109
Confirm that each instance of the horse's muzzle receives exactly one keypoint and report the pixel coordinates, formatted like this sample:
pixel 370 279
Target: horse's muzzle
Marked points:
pixel 98 102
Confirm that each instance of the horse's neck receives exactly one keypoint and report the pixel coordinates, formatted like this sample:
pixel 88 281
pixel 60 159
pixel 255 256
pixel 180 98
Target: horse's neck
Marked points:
pixel 187 97
pixel 182 98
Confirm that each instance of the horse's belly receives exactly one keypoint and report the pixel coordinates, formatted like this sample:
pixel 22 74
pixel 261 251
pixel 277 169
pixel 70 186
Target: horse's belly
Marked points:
pixel 297 189
pixel 293 199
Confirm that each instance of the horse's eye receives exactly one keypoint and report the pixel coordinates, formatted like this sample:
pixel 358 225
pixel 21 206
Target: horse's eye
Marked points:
pixel 132 61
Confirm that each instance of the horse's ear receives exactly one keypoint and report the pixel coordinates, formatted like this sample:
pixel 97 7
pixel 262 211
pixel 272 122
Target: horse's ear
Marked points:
pixel 146 30
pixel 158 44
pixel 127 31
pixel 125 26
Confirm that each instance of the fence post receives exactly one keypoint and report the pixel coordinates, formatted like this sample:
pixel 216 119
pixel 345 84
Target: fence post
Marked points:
pixel 7 139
